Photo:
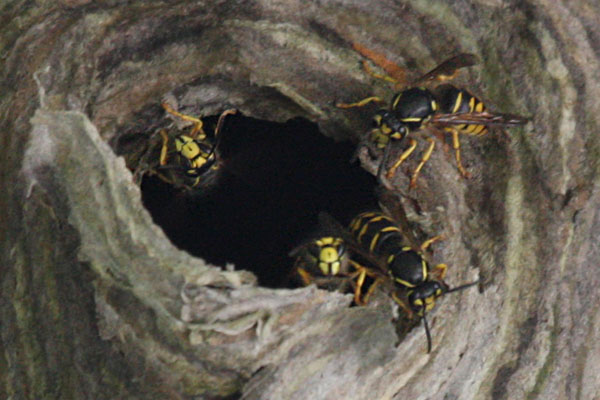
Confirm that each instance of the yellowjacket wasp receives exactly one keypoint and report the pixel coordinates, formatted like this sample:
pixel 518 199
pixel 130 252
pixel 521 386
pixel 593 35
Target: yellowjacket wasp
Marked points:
pixel 198 161
pixel 375 247
pixel 418 108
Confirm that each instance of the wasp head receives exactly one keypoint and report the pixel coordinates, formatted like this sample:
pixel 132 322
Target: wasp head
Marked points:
pixel 422 298
pixel 389 125
pixel 198 156
pixel 331 254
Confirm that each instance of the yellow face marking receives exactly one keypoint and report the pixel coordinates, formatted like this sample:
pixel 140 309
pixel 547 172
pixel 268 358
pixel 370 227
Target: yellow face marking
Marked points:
pixel 335 268
pixel 329 254
pixel 329 269
pixel 328 240
pixel 188 148
pixel 378 137
pixel 429 303
pixel 479 107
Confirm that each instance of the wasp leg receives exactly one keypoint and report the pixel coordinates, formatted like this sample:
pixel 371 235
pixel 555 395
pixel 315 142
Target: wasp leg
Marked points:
pixel 440 270
pixel 396 73
pixel 456 145
pixel 360 103
pixel 392 171
pixel 163 156
pixel 413 180
pixel 429 242
pixel 164 148
pixel 164 178
pixel 221 120
pixel 306 278
pixel 366 297
pixel 197 130
pixel 409 313
pixel 357 290
pixel 360 274
pixel 374 74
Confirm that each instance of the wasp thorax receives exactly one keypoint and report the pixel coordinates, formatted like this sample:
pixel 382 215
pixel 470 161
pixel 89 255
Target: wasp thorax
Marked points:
pixel 413 106
pixel 408 268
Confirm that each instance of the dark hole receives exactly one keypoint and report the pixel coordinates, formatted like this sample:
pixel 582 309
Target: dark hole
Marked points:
pixel 275 180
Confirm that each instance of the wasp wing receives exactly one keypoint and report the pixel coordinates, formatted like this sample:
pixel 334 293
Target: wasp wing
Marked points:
pixel 449 68
pixel 392 206
pixel 484 118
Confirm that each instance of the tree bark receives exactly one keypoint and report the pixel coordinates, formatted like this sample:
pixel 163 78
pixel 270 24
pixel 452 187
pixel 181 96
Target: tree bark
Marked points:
pixel 97 303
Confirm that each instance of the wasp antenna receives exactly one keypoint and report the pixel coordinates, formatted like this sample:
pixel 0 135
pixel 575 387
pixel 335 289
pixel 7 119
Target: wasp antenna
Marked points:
pixel 221 120
pixel 462 287
pixel 218 129
pixel 427 333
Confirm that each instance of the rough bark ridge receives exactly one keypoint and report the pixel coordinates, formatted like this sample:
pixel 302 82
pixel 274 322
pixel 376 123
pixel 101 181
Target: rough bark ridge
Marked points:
pixel 96 303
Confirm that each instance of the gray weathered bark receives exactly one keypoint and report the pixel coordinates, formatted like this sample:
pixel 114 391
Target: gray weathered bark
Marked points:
pixel 96 303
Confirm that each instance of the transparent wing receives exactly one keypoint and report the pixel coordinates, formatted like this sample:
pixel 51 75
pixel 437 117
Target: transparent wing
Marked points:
pixel 485 118
pixel 449 68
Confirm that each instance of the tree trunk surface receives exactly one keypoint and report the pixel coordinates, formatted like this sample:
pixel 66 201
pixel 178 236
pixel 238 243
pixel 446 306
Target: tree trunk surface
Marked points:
pixel 98 304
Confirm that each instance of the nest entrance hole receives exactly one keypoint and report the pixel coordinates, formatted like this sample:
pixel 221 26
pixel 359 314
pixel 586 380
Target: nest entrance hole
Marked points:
pixel 275 179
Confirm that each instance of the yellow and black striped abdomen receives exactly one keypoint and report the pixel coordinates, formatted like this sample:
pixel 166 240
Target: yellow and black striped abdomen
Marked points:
pixel 379 235
pixel 376 233
pixel 458 101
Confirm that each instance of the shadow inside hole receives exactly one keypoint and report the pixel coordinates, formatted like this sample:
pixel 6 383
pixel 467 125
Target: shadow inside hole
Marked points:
pixel 275 180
